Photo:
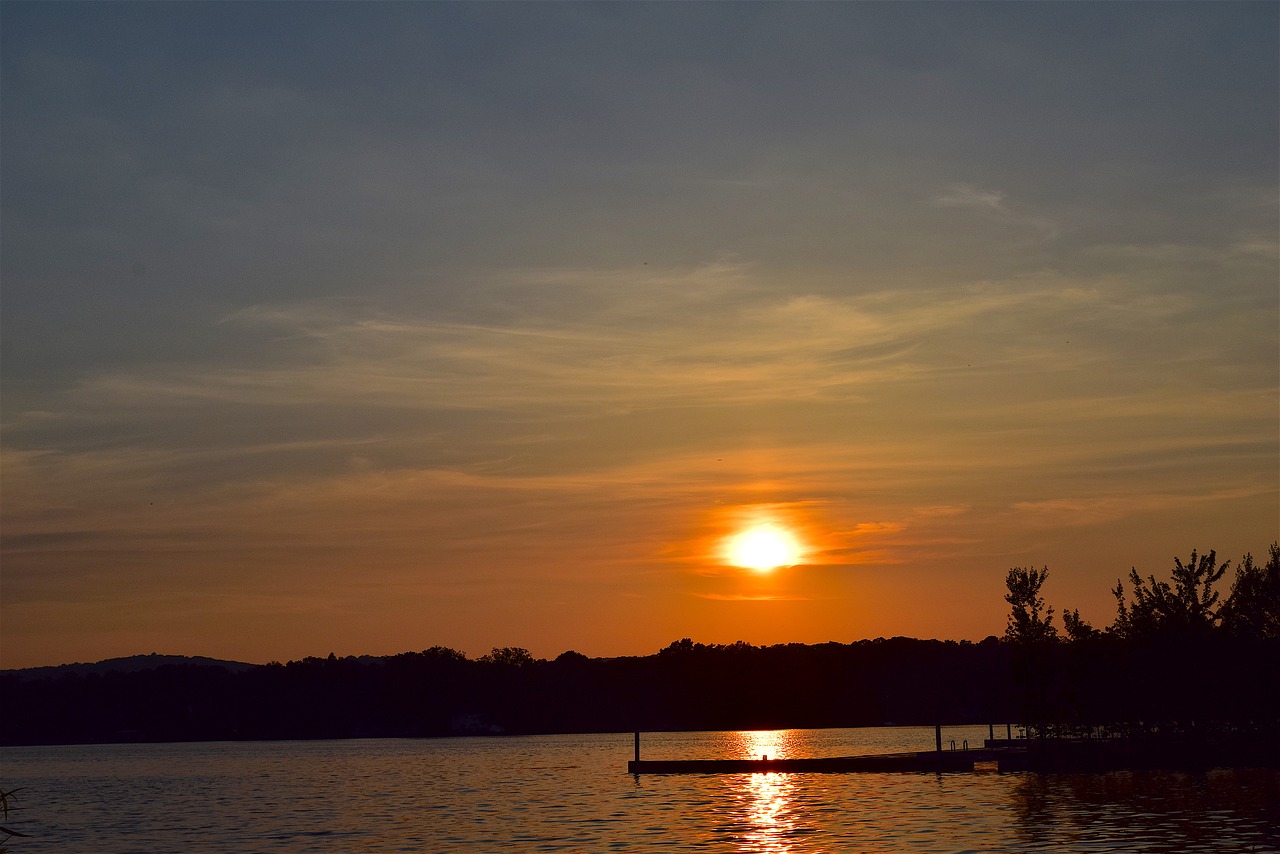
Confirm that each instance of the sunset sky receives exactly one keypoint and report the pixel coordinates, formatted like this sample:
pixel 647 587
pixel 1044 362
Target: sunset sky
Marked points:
pixel 369 327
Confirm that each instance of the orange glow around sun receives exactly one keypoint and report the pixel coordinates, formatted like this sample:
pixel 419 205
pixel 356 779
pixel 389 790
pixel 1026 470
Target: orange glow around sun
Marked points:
pixel 763 547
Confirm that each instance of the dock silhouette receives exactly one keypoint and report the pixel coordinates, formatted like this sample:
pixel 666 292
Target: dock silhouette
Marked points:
pixel 996 754
pixel 1003 759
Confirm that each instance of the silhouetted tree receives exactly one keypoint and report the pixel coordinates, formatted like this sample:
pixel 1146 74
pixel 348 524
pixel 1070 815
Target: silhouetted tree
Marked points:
pixel 1121 626
pixel 1076 628
pixel 684 646
pixel 1180 672
pixel 1030 630
pixel 1026 625
pixel 442 654
pixel 1253 608
pixel 1188 606
pixel 511 656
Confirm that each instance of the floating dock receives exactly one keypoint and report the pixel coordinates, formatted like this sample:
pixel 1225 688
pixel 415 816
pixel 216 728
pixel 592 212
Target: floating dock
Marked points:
pixel 1051 755
pixel 1002 759
pixel 1003 754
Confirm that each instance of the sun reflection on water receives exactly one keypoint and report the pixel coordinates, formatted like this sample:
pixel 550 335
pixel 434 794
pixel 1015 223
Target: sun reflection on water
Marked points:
pixel 765 743
pixel 770 819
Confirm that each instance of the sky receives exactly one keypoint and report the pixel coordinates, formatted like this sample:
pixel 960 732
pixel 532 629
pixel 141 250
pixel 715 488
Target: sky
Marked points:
pixel 364 328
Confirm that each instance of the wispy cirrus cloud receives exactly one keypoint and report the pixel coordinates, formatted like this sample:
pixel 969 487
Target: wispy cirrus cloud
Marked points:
pixel 973 198
pixel 1091 510
pixel 623 365
pixel 993 206
pixel 715 338
pixel 576 422
pixel 746 597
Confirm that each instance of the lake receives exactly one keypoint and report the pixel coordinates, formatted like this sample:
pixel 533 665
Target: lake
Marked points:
pixel 572 793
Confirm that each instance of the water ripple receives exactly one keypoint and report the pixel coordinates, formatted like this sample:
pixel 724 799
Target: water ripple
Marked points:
pixel 569 793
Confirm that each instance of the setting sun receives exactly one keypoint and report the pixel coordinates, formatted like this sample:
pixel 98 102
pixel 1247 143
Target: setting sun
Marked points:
pixel 763 548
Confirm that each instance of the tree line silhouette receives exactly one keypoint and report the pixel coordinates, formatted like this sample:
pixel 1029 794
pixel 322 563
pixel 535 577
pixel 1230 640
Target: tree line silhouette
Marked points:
pixel 1175 657
pixel 439 691
pixel 1177 660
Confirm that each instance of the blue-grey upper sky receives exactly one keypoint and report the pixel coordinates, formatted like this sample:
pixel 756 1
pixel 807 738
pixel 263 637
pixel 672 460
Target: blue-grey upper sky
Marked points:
pixel 375 326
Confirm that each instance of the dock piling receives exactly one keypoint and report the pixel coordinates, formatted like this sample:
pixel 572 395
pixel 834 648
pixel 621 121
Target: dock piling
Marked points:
pixel 637 745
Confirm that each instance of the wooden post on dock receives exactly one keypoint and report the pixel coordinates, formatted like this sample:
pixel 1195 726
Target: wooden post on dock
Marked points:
pixel 937 737
pixel 1008 733
pixel 637 745
pixel 991 732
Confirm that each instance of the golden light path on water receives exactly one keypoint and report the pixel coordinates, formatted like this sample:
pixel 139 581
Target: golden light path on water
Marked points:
pixel 773 820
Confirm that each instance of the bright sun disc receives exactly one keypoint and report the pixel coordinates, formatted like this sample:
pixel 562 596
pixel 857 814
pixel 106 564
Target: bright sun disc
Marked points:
pixel 763 548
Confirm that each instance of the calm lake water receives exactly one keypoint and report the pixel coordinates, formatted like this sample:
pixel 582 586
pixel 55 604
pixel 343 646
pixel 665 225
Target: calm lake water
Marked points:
pixel 572 793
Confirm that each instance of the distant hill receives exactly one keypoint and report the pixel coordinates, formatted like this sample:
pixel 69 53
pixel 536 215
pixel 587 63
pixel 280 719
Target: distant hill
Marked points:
pixel 128 664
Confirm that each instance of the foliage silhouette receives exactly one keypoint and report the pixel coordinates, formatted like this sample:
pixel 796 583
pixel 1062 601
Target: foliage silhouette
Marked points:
pixel 1188 606
pixel 1253 608
pixel 1076 628
pixel 6 807
pixel 1031 633
pixel 1026 625
pixel 1174 661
